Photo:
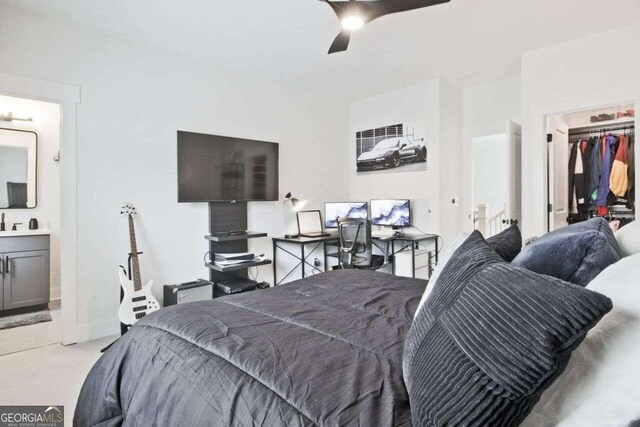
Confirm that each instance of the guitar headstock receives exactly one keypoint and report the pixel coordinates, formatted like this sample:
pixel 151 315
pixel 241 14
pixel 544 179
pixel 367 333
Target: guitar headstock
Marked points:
pixel 128 209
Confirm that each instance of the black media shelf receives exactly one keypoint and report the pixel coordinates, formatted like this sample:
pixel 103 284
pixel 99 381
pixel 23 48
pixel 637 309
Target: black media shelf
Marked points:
pixel 225 237
pixel 238 267
pixel 223 218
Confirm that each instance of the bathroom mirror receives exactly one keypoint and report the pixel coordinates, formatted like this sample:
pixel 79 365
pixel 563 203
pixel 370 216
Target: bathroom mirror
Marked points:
pixel 18 165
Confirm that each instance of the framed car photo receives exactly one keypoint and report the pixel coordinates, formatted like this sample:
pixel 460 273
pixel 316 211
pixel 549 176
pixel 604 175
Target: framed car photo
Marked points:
pixel 399 147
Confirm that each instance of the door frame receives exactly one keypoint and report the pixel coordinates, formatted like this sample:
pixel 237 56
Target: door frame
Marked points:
pixel 554 126
pixel 514 188
pixel 68 98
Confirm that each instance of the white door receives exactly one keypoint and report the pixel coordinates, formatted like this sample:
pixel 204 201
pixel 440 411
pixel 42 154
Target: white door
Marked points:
pixel 558 185
pixel 513 213
pixel 497 180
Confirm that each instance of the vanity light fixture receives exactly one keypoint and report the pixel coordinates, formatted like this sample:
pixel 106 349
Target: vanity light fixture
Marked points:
pixel 9 118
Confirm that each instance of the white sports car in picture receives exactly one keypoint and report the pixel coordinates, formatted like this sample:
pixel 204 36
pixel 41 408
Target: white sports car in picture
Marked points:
pixel 392 152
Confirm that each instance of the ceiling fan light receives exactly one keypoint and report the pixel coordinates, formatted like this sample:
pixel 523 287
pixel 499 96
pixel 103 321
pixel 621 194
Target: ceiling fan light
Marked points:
pixel 352 22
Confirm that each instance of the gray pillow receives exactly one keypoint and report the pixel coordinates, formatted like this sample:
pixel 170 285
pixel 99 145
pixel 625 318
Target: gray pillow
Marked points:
pixel 576 253
pixel 491 338
pixel 595 224
pixel 508 243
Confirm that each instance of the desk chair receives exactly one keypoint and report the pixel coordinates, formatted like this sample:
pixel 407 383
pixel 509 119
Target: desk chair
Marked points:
pixel 356 245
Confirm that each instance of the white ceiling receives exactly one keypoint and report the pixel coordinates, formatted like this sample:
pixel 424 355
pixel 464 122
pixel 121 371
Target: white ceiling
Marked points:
pixel 467 41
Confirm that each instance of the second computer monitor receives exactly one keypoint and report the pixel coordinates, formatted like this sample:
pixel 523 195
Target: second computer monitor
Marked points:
pixel 395 213
pixel 352 210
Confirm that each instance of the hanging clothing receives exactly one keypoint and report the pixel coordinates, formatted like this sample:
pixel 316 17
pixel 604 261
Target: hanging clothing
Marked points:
pixel 608 145
pixel 619 180
pixel 585 150
pixel 577 190
pixel 595 169
pixel 631 191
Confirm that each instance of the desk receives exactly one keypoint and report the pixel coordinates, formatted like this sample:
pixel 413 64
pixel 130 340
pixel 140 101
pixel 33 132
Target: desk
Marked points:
pixel 303 242
pixel 408 241
pixel 411 241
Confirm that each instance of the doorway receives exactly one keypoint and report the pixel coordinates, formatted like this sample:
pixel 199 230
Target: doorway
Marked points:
pixel 583 146
pixel 30 311
pixel 68 99
pixel 496 180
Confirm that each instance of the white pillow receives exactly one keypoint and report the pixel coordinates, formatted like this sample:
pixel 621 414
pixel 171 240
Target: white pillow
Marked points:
pixel 601 385
pixel 628 238
pixel 443 259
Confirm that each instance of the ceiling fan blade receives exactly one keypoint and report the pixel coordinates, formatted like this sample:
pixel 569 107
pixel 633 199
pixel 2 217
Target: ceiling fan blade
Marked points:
pixel 333 6
pixel 370 10
pixel 341 43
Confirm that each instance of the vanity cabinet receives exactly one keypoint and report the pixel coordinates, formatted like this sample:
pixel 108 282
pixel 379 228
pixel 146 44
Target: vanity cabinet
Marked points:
pixel 24 271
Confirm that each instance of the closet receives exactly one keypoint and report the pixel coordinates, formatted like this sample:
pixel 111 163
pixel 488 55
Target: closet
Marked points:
pixel 592 166
pixel 601 172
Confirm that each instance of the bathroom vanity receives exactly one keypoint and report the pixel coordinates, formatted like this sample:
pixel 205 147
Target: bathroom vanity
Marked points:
pixel 24 269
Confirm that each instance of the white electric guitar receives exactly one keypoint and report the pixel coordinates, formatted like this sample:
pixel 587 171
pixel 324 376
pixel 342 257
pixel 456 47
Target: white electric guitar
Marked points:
pixel 138 300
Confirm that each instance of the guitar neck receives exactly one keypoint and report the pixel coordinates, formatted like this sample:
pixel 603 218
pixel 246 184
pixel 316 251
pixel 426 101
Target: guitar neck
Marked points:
pixel 135 262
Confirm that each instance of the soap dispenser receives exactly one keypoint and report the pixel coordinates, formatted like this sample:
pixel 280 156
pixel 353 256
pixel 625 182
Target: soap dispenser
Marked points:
pixel 2 226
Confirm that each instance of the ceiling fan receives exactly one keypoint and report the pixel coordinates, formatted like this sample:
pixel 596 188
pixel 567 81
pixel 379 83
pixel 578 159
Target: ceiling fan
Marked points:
pixel 353 14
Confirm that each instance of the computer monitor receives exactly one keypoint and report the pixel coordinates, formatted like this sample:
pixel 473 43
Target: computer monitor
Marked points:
pixel 395 213
pixel 351 210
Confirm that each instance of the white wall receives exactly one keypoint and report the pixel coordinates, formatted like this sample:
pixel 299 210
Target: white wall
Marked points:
pixel 418 103
pixel 46 123
pixel 555 80
pixel 134 99
pixel 439 106
pixel 494 102
pixel 449 161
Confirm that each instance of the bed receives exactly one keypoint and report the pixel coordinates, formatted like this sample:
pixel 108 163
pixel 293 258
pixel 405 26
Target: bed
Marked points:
pixel 326 350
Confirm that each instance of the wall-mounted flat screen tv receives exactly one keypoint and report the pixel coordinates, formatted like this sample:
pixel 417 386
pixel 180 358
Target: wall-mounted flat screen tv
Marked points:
pixel 214 168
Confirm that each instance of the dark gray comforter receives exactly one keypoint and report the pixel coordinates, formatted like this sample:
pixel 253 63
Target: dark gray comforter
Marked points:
pixel 326 350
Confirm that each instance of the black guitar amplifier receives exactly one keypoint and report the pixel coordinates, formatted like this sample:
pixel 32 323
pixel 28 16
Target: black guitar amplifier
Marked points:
pixel 200 290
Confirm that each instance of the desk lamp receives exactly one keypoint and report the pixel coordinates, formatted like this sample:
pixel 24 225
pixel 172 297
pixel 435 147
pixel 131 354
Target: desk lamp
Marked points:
pixel 290 219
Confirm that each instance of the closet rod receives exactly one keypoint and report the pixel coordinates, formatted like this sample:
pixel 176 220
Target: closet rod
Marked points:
pixel 599 128
pixel 603 131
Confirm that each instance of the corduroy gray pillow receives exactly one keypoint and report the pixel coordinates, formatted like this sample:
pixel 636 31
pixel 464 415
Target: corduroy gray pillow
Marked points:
pixel 576 253
pixel 490 338
pixel 508 243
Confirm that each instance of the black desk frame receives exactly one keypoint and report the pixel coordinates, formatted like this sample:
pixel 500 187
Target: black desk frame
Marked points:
pixel 302 258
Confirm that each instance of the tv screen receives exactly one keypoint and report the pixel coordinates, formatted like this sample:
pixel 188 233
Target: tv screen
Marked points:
pixel 396 213
pixel 351 210
pixel 214 168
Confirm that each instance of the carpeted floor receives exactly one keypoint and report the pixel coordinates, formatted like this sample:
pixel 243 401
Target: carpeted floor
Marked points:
pixel 48 375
